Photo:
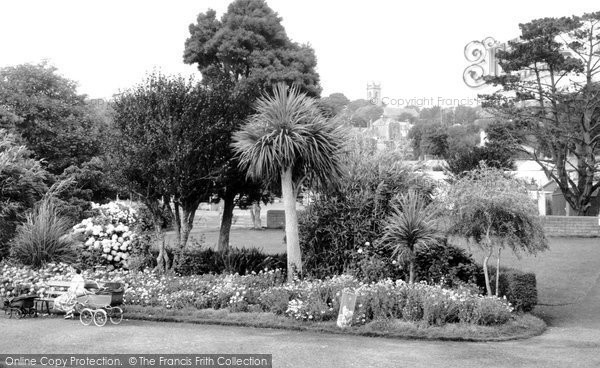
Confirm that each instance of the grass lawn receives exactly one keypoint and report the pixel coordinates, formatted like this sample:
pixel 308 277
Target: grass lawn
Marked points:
pixel 565 273
pixel 207 224
pixel 268 240
pixel 567 278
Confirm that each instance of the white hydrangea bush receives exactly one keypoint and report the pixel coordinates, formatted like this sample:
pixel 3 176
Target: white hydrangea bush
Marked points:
pixel 110 235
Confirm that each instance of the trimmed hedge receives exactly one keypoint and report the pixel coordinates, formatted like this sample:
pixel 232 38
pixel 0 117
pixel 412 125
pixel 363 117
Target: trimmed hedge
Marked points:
pixel 519 288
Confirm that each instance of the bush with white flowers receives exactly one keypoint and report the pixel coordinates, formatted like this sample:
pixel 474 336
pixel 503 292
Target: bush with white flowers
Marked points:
pixel 109 235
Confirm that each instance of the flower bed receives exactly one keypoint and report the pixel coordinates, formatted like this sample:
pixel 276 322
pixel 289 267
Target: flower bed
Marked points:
pixel 307 300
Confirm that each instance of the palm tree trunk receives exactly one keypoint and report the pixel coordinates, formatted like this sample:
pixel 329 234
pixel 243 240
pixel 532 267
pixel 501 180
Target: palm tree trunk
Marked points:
pixel 294 257
pixel 411 271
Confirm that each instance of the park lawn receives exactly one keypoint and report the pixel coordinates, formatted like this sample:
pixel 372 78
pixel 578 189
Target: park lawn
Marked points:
pixel 565 273
pixel 270 241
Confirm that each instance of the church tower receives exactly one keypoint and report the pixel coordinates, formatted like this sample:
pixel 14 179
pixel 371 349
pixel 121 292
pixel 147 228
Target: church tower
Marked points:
pixel 374 93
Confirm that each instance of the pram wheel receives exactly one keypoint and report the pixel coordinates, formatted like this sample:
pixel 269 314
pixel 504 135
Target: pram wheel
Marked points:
pixel 116 315
pixel 33 312
pixel 86 317
pixel 17 313
pixel 100 318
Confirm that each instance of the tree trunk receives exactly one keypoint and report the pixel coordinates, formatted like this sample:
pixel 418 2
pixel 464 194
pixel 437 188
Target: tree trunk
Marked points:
pixel 177 222
pixel 226 220
pixel 294 257
pixel 411 271
pixel 162 261
pixel 187 223
pixel 255 212
pixel 486 272
pixel 498 272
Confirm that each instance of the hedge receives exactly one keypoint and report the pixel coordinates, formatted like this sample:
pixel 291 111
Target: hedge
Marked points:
pixel 520 288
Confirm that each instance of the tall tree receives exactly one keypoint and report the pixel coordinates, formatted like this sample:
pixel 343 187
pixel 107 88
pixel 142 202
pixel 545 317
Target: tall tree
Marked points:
pixel 289 141
pixel 173 141
pixel 550 99
pixel 333 104
pixel 249 48
pixel 45 109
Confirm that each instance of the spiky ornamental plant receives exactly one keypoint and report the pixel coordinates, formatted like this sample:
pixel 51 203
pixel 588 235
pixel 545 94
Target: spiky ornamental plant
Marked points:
pixel 288 140
pixel 411 225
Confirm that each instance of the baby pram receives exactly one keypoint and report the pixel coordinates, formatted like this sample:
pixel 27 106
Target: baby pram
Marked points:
pixel 101 305
pixel 21 306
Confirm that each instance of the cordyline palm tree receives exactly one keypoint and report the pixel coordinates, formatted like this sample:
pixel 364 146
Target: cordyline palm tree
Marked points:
pixel 410 225
pixel 289 140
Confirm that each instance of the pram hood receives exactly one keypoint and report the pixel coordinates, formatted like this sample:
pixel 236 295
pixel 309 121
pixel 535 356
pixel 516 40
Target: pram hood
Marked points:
pixel 22 298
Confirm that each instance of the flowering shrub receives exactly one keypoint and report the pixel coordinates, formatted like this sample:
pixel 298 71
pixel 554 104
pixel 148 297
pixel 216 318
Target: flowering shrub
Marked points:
pixel 306 300
pixel 108 237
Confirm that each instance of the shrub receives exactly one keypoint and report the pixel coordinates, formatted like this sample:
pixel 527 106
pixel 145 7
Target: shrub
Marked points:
pixel 445 263
pixel 338 223
pixel 519 288
pixel 241 261
pixel 22 183
pixel 276 299
pixel 42 238
pixel 440 307
pixel 109 236
pixel 437 263
pixel 490 312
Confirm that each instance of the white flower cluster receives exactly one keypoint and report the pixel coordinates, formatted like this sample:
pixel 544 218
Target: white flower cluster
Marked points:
pixel 117 212
pixel 109 233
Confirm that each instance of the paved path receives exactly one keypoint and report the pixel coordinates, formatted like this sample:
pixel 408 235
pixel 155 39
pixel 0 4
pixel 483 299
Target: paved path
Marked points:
pixel 559 347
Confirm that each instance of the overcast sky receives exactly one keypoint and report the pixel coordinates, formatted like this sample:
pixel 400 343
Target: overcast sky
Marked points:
pixel 414 48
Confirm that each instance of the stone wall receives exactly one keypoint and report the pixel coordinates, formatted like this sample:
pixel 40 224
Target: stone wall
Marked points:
pixel 571 226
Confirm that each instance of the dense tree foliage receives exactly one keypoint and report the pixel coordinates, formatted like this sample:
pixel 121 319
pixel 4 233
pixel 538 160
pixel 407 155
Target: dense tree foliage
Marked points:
pixel 549 102
pixel 45 109
pixel 333 104
pixel 173 140
pixel 250 50
pixel 466 160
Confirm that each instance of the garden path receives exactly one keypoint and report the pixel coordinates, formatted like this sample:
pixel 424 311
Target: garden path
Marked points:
pixel 573 346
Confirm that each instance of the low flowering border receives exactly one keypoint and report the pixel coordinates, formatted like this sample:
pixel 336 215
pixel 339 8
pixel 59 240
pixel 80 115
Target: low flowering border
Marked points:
pixel 522 327
pixel 304 300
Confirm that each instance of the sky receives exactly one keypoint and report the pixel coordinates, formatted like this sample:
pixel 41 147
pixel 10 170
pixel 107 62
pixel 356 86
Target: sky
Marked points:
pixel 415 49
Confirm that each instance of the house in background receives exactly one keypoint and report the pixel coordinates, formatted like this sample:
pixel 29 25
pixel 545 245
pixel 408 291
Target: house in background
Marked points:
pixel 556 204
